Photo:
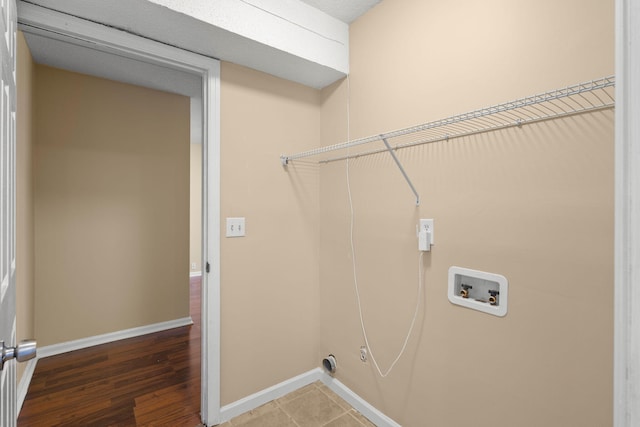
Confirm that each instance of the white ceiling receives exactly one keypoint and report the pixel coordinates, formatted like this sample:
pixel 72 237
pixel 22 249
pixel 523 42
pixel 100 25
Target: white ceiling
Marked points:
pixel 346 11
pixel 86 60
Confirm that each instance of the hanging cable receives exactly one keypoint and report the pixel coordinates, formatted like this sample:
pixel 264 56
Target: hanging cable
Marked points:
pixel 353 262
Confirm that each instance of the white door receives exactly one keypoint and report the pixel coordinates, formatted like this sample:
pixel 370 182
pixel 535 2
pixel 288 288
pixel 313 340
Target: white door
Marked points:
pixel 8 24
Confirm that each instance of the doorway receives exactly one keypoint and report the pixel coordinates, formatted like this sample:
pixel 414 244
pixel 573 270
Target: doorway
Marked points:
pixel 145 55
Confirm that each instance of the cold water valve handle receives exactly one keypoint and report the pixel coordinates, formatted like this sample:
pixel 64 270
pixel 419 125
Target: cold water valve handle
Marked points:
pixel 493 298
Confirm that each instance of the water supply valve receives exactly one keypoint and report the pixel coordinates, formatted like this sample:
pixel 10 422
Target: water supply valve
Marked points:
pixel 493 297
pixel 478 290
pixel 464 292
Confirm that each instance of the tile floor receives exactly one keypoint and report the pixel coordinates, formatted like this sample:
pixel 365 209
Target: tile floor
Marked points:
pixel 312 406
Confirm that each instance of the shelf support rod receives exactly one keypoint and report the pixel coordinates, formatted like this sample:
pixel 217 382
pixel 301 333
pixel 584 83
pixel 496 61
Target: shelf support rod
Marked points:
pixel 395 158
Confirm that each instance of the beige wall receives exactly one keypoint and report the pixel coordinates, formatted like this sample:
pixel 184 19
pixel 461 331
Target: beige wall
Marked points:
pixel 111 206
pixel 534 204
pixel 287 290
pixel 195 203
pixel 24 196
pixel 269 287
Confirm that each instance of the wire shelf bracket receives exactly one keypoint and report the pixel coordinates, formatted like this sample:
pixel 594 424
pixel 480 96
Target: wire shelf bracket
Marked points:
pixel 580 98
pixel 406 177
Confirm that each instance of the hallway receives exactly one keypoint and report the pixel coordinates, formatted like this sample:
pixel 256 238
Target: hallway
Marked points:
pixel 148 380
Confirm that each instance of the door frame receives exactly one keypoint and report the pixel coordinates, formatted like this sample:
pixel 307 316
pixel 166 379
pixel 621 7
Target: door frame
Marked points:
pixel 8 398
pixel 56 25
pixel 627 268
pixel 626 353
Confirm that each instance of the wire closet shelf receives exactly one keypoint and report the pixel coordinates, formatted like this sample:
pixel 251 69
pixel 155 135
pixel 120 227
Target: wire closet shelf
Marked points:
pixel 576 99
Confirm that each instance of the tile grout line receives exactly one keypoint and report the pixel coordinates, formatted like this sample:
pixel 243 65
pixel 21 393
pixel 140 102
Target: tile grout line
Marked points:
pixel 334 398
pixel 278 405
pixel 339 416
pixel 354 411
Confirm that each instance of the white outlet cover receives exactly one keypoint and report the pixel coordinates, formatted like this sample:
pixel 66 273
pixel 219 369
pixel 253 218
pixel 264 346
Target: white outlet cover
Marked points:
pixel 428 224
pixel 363 353
pixel 235 227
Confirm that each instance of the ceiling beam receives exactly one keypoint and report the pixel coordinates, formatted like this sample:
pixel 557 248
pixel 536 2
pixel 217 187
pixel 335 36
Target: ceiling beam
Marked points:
pixel 285 38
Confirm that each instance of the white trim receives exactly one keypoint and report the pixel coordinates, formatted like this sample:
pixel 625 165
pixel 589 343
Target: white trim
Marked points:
pixel 55 25
pixel 65 347
pixel 4 286
pixel 258 399
pixel 52 24
pixel 195 274
pixel 291 27
pixel 255 400
pixel 55 349
pixel 210 370
pixel 626 354
pixel 358 403
pixel 25 381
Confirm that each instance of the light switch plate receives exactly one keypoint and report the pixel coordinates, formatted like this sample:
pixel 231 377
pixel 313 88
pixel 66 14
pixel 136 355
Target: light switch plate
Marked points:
pixel 235 227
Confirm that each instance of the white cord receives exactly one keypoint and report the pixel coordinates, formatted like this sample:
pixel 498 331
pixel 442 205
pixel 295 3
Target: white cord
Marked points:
pixel 353 263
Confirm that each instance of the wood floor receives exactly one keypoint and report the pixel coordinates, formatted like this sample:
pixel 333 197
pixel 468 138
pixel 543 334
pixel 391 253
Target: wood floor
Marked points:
pixel 152 380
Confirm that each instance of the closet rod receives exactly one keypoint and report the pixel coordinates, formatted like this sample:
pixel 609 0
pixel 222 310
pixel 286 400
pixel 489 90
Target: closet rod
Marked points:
pixel 580 98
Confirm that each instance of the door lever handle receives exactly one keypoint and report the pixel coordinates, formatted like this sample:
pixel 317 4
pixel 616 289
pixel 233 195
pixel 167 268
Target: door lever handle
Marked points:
pixel 24 351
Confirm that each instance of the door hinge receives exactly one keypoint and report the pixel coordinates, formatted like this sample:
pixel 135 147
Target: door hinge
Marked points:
pixel 208 268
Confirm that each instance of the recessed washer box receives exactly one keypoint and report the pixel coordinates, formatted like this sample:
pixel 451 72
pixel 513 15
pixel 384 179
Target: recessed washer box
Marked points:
pixel 478 290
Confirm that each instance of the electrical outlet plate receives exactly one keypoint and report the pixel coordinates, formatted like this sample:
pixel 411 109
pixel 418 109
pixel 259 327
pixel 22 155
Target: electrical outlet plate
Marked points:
pixel 427 224
pixel 363 353
pixel 235 227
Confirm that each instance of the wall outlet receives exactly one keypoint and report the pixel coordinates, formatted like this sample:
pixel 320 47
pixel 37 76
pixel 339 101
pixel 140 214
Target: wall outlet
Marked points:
pixel 427 224
pixel 363 354
pixel 193 266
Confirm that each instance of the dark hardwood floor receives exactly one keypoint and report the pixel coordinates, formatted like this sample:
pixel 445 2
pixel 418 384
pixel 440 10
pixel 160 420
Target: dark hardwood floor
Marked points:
pixel 152 380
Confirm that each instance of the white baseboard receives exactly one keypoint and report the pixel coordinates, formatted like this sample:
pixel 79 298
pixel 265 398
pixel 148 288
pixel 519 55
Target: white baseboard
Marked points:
pixel 65 347
pixel 358 403
pixel 195 274
pixel 228 411
pixel 267 395
pixel 55 349
pixel 275 392
pixel 23 386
